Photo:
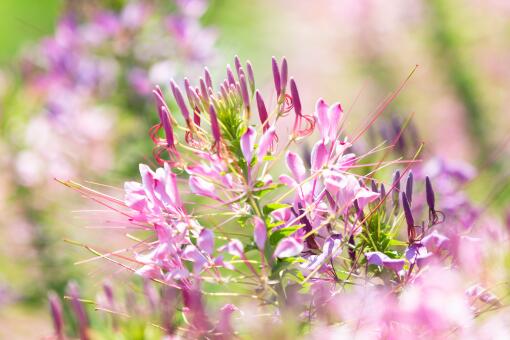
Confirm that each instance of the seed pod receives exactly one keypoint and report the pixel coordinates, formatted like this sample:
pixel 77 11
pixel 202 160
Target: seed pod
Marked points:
pixel 374 186
pixel 409 187
pixel 430 194
pixel 407 211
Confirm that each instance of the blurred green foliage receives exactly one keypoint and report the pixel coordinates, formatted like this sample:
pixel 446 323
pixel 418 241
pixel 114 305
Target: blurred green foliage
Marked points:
pixel 24 21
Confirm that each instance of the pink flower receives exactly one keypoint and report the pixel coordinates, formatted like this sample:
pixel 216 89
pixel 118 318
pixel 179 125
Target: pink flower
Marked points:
pixel 328 120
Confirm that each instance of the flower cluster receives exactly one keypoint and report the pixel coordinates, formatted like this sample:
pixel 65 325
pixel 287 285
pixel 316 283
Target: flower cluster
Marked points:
pixel 320 240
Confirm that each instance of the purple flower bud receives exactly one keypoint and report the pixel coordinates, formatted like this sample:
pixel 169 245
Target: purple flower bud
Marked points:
pixel 230 76
pixel 208 79
pixel 79 310
pixel 276 77
pixel 56 314
pixel 189 93
pixel 164 116
pixel 407 211
pixel 215 126
pixel 295 97
pixel 430 194
pixel 167 126
pixel 284 74
pixel 244 92
pixel 203 90
pixel 382 191
pixel 237 64
pixel 409 187
pixel 374 186
pixel 262 110
pixel 251 78
pixel 180 100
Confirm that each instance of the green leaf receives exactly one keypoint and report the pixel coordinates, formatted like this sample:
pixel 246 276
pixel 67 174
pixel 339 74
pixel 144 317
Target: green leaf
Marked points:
pixel 269 208
pixel 277 235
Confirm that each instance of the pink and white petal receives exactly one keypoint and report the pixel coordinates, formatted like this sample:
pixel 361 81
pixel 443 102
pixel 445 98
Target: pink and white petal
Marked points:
pixel 248 143
pixel 288 247
pixel 259 232
pixel 296 166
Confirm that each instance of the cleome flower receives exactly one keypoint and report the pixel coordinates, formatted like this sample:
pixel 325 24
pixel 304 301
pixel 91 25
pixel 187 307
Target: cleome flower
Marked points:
pixel 237 209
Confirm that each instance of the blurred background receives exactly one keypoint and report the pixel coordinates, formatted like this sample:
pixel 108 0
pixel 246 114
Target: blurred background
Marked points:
pixel 75 101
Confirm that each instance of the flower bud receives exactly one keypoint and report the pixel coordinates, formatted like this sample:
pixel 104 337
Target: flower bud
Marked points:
pixel 276 77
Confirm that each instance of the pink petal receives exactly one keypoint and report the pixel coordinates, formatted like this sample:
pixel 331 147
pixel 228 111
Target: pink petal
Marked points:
pixel 149 271
pixel 234 248
pixel 321 114
pixel 288 247
pixel 171 186
pixel 259 232
pixel 265 141
pixel 206 241
pixel 334 116
pixel 287 180
pixel 135 196
pixel 319 155
pixel 248 143
pixel 202 187
pixel 365 196
pixel 296 166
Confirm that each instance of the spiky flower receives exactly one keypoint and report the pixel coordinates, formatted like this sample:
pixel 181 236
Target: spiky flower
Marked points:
pixel 218 222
